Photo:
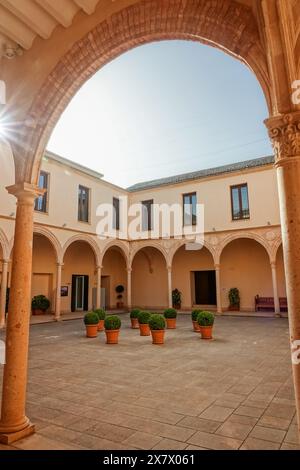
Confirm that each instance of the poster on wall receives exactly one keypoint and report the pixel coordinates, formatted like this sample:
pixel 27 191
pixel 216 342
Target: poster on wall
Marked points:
pixel 64 291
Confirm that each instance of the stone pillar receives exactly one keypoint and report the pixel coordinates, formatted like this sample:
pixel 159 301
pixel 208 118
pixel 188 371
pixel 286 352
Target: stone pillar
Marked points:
pixel 275 288
pixel 129 301
pixel 98 301
pixel 170 300
pixel 58 291
pixel 3 292
pixel 284 131
pixel 14 424
pixel 218 288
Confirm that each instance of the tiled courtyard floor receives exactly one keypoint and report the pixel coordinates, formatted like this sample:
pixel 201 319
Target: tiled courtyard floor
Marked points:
pixel 234 392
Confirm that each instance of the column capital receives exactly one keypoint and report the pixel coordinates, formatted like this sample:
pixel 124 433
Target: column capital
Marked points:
pixel 5 261
pixel 99 267
pixel 273 264
pixel 169 268
pixel 129 270
pixel 25 193
pixel 60 264
pixel 284 132
pixel 217 266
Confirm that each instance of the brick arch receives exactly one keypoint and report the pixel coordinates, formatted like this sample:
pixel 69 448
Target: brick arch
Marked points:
pixel 122 247
pixel 52 239
pixel 239 236
pixel 86 239
pixel 226 24
pixel 182 243
pixel 149 244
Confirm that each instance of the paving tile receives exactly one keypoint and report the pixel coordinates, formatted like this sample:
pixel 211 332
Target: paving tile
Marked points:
pixel 235 430
pixel 199 424
pixel 280 411
pixel 142 440
pixel 241 419
pixel 268 434
pixel 286 446
pixel 168 444
pixel 217 413
pixel 212 441
pixel 292 436
pixel 249 411
pixel 257 444
pixel 273 422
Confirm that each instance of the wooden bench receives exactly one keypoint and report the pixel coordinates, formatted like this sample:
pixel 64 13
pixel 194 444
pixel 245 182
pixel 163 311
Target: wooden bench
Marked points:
pixel 267 303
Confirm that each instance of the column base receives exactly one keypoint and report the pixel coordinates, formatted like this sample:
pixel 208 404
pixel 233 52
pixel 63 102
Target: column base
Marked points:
pixel 9 438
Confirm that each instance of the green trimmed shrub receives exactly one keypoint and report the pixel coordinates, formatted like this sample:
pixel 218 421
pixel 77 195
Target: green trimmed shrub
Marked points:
pixel 135 313
pixel 234 297
pixel 101 313
pixel 40 302
pixel 195 314
pixel 157 322
pixel 170 313
pixel 112 322
pixel 206 318
pixel 144 317
pixel 91 318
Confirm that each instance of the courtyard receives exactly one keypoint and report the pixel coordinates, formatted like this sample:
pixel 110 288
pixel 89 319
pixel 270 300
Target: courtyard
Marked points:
pixel 234 392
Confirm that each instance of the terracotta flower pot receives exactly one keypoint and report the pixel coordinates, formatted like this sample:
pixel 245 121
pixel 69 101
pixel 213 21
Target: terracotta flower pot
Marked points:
pixel 112 336
pixel 144 329
pixel 158 336
pixel 134 323
pixel 206 332
pixel 101 325
pixel 91 331
pixel 38 311
pixel 171 323
pixel 196 326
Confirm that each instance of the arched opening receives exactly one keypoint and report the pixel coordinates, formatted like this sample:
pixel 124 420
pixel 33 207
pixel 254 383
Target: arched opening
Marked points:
pixel 79 280
pixel 113 276
pixel 245 265
pixel 193 274
pixel 149 279
pixel 44 261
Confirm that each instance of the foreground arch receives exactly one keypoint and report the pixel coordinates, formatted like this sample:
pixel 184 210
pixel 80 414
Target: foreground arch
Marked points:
pixel 261 39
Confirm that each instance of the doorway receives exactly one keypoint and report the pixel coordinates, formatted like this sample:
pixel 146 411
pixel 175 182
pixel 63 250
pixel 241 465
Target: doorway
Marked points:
pixel 205 287
pixel 80 293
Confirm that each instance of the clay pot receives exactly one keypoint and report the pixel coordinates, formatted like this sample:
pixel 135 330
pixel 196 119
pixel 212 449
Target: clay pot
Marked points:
pixel 158 336
pixel 38 311
pixel 144 329
pixel 112 336
pixel 171 323
pixel 206 332
pixel 91 331
pixel 101 325
pixel 196 326
pixel 134 323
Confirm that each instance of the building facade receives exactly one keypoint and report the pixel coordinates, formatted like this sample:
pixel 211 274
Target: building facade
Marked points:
pixel 78 267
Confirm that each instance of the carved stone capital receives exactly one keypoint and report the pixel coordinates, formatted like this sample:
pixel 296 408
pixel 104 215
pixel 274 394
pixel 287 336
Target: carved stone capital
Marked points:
pixel 284 132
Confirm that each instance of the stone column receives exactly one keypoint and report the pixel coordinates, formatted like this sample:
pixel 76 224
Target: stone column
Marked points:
pixel 218 288
pixel 3 292
pixel 170 300
pixel 275 288
pixel 129 301
pixel 284 131
pixel 58 291
pixel 14 424
pixel 98 301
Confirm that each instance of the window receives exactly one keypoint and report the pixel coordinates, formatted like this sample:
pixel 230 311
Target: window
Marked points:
pixel 83 204
pixel 190 209
pixel 147 215
pixel 41 203
pixel 240 202
pixel 116 213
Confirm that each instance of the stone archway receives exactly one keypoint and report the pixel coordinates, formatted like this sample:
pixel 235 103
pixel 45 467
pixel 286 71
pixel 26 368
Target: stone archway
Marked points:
pixel 114 272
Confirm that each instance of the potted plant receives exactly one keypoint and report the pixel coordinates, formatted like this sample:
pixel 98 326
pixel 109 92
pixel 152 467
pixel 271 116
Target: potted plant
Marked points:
pixel 91 321
pixel 157 326
pixel 143 319
pixel 170 315
pixel 234 299
pixel 39 304
pixel 176 299
pixel 206 321
pixel 119 290
pixel 134 314
pixel 101 315
pixel 112 325
pixel 196 326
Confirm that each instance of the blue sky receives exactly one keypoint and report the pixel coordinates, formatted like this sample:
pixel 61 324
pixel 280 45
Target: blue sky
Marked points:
pixel 163 109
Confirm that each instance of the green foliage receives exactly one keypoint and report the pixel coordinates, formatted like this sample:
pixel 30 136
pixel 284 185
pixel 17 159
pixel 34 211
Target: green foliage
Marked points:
pixel 170 313
pixel 135 313
pixel 195 314
pixel 101 313
pixel 144 317
pixel 157 322
pixel 112 322
pixel 120 289
pixel 206 318
pixel 234 296
pixel 91 318
pixel 176 297
pixel 40 302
